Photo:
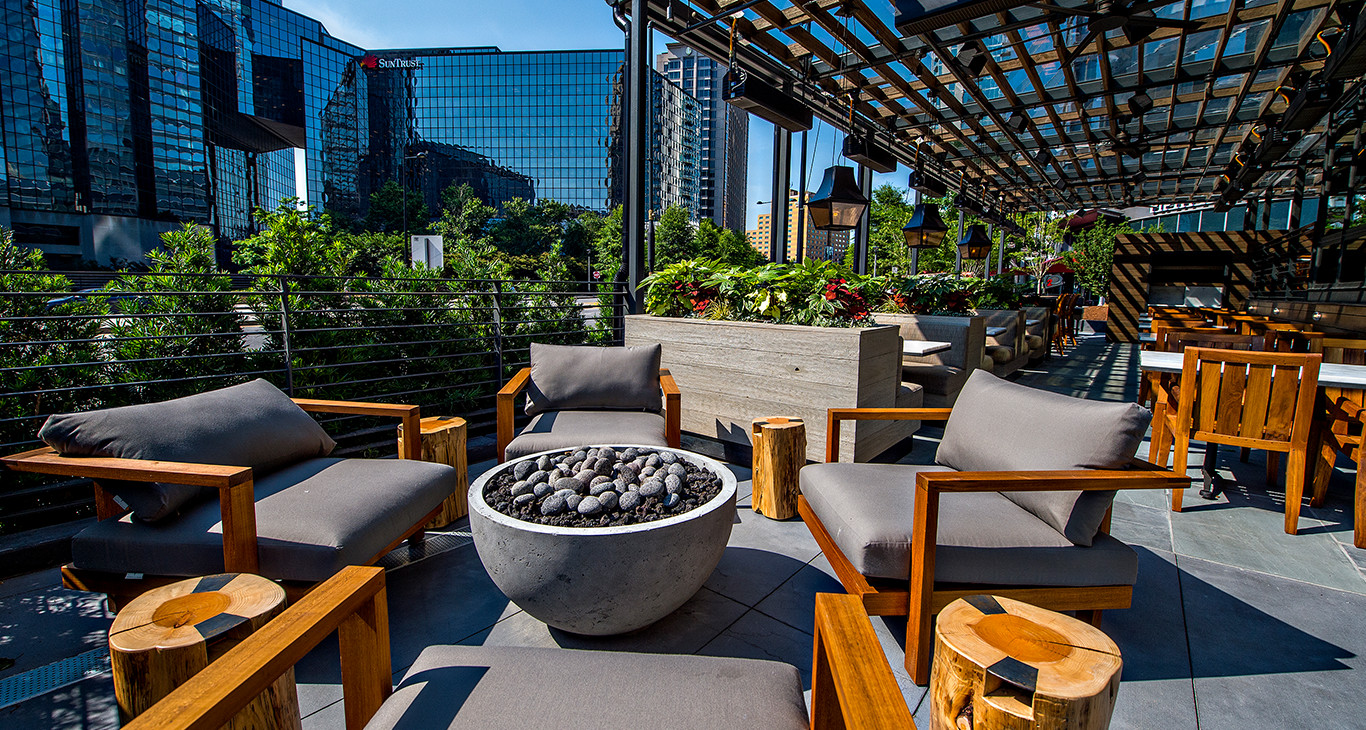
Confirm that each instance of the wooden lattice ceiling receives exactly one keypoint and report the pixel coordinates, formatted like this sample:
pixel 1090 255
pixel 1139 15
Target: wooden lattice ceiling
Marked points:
pixel 1210 82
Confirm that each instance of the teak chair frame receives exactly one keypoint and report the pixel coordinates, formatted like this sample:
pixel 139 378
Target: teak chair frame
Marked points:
pixel 1341 428
pixel 507 409
pixel 235 496
pixel 852 685
pixel 921 598
pixel 1246 399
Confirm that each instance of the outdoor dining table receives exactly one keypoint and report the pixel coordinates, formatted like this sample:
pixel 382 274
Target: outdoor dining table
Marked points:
pixel 1335 380
pixel 924 347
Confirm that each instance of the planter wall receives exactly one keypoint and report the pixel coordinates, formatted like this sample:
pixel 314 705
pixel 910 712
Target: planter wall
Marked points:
pixel 733 372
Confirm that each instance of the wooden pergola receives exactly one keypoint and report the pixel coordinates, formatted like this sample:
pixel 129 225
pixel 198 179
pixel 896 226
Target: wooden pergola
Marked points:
pixel 1044 120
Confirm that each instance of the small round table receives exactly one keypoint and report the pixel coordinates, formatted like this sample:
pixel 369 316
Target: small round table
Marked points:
pixel 1000 663
pixel 168 634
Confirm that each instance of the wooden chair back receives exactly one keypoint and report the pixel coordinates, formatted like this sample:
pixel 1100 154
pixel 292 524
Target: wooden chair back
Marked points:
pixel 1293 339
pixel 1163 333
pixel 1340 350
pixel 1250 399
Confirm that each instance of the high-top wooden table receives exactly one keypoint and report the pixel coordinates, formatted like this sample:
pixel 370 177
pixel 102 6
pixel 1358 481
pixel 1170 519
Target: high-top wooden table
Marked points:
pixel 1000 663
pixel 171 633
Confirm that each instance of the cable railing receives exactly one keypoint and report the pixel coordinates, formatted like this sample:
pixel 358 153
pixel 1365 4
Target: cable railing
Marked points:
pixel 444 344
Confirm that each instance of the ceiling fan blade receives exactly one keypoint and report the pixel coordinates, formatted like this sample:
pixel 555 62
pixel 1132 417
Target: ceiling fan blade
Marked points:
pixel 1072 54
pixel 1059 10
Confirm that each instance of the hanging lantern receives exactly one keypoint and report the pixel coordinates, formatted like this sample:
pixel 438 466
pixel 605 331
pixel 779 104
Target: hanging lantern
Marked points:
pixel 925 229
pixel 838 203
pixel 975 244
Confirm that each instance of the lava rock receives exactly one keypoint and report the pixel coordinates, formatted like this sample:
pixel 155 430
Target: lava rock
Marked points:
pixel 522 469
pixel 653 460
pixel 541 489
pixel 538 476
pixel 569 484
pixel 630 454
pixel 597 489
pixel 589 506
pixel 629 501
pixel 572 501
pixel 673 484
pixel 522 499
pixel 608 500
pixel 678 470
pixel 668 457
pixel 521 488
pixel 577 456
pixel 671 500
pixel 620 486
pixel 554 475
pixel 647 472
pixel 543 463
pixel 604 467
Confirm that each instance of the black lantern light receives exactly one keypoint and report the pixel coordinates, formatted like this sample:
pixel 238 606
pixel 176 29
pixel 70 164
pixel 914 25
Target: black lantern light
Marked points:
pixel 925 229
pixel 838 203
pixel 975 244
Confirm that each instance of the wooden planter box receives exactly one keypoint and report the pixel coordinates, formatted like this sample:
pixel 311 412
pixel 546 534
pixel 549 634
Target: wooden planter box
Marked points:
pixel 733 372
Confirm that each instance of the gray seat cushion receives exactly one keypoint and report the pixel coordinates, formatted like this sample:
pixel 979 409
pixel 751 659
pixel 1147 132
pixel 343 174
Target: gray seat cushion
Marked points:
pixel 253 424
pixel 574 377
pixel 984 538
pixel 494 688
pixel 1000 353
pixel 312 519
pixel 939 379
pixel 1001 426
pixel 563 429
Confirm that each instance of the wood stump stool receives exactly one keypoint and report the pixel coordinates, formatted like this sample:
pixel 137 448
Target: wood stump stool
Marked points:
pixel 779 453
pixel 1000 663
pixel 443 442
pixel 168 634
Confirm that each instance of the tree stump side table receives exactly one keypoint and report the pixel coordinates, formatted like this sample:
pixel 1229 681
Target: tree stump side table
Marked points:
pixel 443 442
pixel 1000 663
pixel 168 634
pixel 779 453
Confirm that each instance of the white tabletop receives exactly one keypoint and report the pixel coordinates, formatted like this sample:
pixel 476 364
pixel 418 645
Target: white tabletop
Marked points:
pixel 996 331
pixel 1331 375
pixel 924 347
pixel 1147 337
pixel 1032 322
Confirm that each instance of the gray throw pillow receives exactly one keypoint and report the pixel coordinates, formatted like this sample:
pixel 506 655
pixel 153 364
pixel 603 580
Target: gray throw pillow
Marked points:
pixel 253 424
pixel 578 378
pixel 997 425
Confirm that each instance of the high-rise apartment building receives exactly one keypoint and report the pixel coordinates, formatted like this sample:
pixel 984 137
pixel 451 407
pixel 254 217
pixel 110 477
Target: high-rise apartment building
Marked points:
pixel 725 134
pixel 121 118
pixel 822 245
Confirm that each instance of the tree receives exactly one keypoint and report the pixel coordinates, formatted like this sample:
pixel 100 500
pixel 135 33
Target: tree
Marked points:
pixel 1093 255
pixel 293 241
pixel 578 236
pixel 888 214
pixel 464 216
pixel 736 250
pixel 674 239
pixel 386 210
pixel 530 229
pixel 607 245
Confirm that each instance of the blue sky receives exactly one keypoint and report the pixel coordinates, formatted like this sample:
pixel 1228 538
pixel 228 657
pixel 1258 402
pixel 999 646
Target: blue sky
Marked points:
pixel 529 25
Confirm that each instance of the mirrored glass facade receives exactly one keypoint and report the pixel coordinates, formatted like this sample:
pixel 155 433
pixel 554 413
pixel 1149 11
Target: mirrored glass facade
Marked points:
pixel 724 134
pixel 122 118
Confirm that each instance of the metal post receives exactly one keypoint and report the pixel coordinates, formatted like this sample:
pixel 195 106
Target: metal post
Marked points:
pixel 284 335
pixel 498 327
pixel 958 252
pixel 778 223
pixel 801 204
pixel 1001 255
pixel 915 261
pixel 1297 202
pixel 1266 210
pixel 861 242
pixel 637 134
pixel 986 263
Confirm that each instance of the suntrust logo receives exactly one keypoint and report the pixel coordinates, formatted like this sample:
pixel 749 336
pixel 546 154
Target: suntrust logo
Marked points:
pixel 370 60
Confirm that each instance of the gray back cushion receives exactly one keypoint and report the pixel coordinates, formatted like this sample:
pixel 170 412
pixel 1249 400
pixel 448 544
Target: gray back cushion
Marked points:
pixel 1000 426
pixel 572 377
pixel 253 424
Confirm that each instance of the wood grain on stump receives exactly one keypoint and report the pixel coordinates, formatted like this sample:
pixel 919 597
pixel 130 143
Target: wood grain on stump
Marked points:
pixel 1000 663
pixel 779 453
pixel 168 634
pixel 443 442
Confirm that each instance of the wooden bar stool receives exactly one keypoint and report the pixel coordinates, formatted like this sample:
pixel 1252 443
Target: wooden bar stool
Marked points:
pixel 1258 400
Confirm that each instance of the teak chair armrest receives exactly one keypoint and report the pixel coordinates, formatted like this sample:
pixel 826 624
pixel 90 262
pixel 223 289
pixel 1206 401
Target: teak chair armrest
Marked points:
pixel 507 408
pixel 352 603
pixel 835 415
pixel 852 685
pixel 236 498
pixel 410 415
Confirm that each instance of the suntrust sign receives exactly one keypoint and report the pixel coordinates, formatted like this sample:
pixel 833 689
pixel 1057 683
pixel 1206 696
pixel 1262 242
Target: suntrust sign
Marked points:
pixel 370 60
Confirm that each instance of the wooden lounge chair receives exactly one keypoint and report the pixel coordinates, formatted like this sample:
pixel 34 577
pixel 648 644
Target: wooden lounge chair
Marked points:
pixel 284 507
pixel 590 395
pixel 487 687
pixel 1044 541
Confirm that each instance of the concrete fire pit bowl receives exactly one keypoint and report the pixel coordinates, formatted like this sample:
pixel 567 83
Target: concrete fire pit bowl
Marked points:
pixel 603 580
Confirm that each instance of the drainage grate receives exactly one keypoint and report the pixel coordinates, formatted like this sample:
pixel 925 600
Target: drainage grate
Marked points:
pixel 434 544
pixel 54 676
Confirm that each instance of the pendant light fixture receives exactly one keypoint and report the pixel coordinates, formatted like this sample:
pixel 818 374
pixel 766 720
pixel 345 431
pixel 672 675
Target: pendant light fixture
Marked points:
pixel 975 244
pixel 839 203
pixel 925 229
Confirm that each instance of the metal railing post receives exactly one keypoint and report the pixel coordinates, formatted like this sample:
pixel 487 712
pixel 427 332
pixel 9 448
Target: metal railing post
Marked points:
pixel 284 334
pixel 498 326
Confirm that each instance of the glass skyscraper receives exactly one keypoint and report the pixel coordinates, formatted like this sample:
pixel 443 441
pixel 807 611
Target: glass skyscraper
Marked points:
pixel 725 134
pixel 121 118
